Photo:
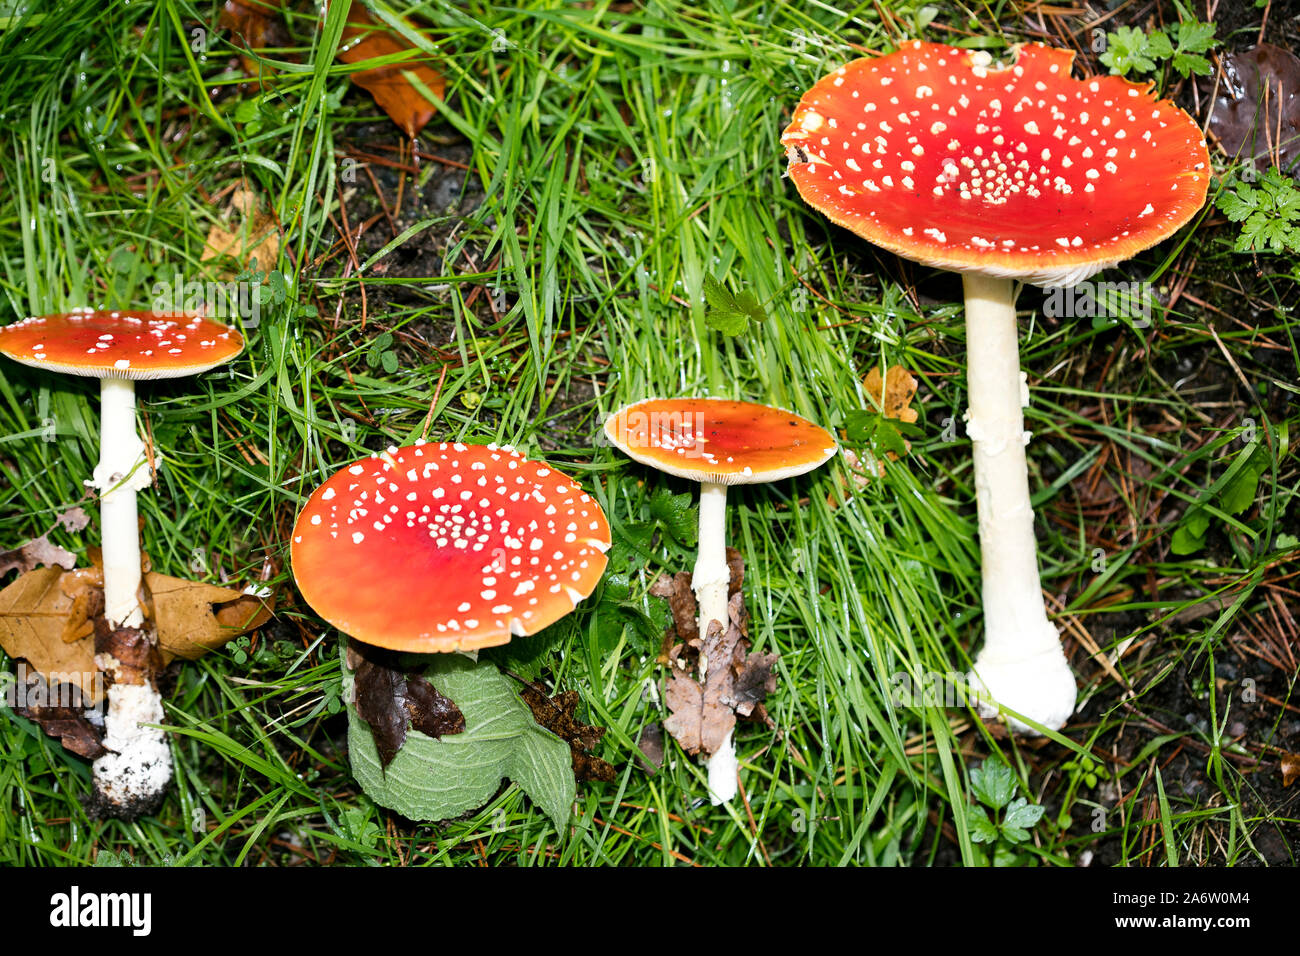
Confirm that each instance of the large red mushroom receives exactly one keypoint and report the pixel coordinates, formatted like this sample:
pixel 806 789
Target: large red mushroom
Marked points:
pixel 1001 172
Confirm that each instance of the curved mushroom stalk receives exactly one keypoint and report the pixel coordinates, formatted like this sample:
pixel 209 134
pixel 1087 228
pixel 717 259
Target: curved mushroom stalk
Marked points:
pixel 1021 665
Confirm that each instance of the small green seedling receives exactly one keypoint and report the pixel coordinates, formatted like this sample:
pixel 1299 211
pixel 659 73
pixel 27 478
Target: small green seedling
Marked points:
pixel 730 313
pixel 994 785
pixel 1087 770
pixel 382 354
pixel 1129 50
pixel 1269 213
pixel 870 429
pixel 1231 496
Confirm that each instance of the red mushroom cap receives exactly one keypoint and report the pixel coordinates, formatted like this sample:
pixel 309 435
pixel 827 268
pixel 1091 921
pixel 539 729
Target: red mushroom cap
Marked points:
pixel 136 345
pixel 1016 170
pixel 444 547
pixel 718 440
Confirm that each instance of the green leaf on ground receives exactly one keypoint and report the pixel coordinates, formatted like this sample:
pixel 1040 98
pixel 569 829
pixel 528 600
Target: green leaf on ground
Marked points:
pixel 730 313
pixel 993 784
pixel 982 829
pixel 1020 817
pixel 437 779
pixel 676 514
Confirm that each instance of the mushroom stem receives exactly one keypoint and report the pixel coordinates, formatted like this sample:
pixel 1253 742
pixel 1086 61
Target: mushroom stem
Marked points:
pixel 710 582
pixel 132 777
pixel 1021 665
pixel 711 575
pixel 118 476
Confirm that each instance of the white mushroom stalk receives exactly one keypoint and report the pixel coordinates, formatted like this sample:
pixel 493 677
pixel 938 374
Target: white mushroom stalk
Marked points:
pixel 1021 665
pixel 121 473
pixel 138 767
pixel 710 581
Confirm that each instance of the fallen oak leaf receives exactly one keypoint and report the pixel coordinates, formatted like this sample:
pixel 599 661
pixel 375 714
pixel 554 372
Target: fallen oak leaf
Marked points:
pixel 754 682
pixel 41 552
pixel 365 38
pixel 891 396
pixel 703 714
pixel 36 553
pixel 34 611
pixel 254 235
pixel 47 617
pixel 681 601
pixel 193 618
pixel 894 392
pixel 72 519
pixel 1290 768
pixel 684 698
pixel 255 23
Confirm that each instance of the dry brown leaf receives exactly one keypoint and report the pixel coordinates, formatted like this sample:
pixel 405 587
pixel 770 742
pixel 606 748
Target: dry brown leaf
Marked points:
pixel 681 601
pixel 898 388
pixel 651 746
pixel 1256 114
pixel 41 552
pixel 558 714
pixel 60 711
pixel 254 25
pixel 34 611
pixel 365 38
pixel 389 699
pixel 1290 768
pixel 701 715
pixel 253 235
pixel 193 618
pixel 47 618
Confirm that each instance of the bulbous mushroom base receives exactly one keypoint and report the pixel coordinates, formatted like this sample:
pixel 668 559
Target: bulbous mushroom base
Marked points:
pixel 1040 686
pixel 132 779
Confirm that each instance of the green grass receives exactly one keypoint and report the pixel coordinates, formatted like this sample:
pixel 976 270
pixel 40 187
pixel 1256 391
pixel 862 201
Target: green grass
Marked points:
pixel 621 157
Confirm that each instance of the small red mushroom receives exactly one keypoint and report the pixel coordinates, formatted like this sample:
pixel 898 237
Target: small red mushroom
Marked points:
pixel 999 172
pixel 119 348
pixel 718 442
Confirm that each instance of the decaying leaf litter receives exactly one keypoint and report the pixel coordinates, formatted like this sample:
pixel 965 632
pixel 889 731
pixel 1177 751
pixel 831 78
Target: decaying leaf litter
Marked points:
pixel 859 376
pixel 736 682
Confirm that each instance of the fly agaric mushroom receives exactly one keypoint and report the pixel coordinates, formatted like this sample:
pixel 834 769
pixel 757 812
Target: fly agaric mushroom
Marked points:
pixel 718 442
pixel 119 348
pixel 999 172
pixel 447 547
